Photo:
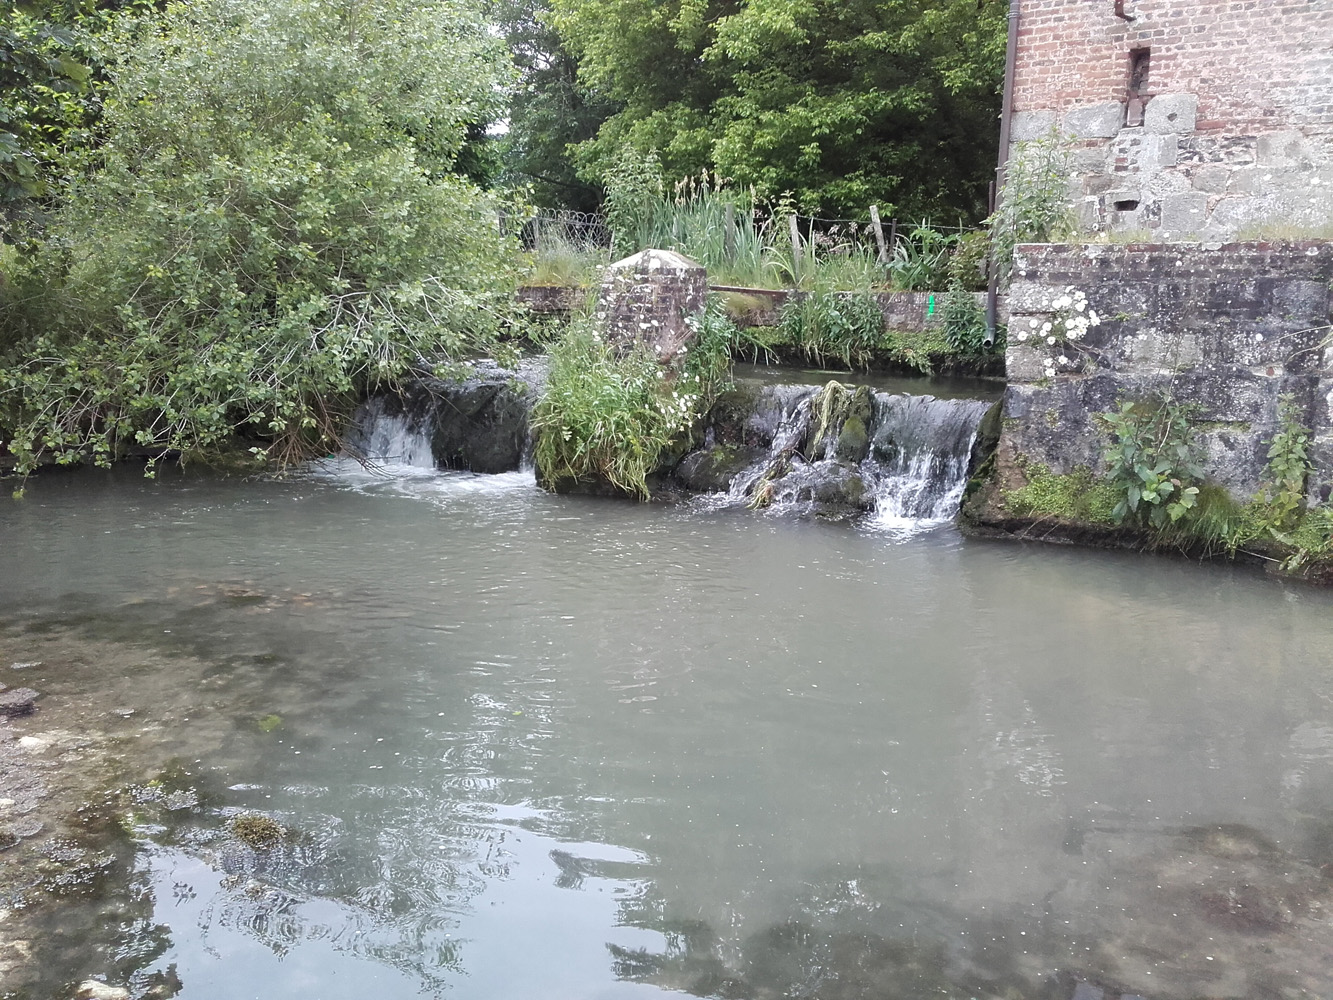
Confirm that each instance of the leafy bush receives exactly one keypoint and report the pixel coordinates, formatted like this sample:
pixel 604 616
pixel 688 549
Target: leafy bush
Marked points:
pixel 920 260
pixel 275 227
pixel 1151 458
pixel 613 413
pixel 1034 204
pixel 964 321
pixel 1078 496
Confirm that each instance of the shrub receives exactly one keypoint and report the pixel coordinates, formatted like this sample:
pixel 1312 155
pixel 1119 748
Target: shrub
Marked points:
pixel 1151 459
pixel 274 228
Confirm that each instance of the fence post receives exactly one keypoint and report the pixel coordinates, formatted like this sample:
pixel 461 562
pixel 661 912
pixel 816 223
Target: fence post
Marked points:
pixel 879 235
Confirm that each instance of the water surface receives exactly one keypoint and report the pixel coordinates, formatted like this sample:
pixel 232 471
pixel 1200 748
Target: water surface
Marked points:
pixel 533 746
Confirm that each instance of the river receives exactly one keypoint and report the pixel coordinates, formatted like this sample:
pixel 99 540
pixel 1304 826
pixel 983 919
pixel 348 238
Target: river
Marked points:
pixel 523 745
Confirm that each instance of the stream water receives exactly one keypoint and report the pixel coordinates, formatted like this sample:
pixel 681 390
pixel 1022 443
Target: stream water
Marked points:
pixel 529 746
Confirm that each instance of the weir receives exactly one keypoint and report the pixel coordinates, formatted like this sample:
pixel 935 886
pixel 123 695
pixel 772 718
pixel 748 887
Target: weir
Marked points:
pixel 892 459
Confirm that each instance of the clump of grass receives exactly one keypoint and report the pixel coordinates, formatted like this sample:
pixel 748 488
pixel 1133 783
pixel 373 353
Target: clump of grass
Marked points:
pixel 828 326
pixel 614 412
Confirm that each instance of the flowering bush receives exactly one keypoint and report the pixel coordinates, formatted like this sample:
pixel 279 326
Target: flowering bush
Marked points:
pixel 1069 322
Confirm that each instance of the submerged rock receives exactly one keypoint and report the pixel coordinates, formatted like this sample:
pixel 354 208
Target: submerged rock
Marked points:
pixel 256 831
pixel 712 469
pixel 92 989
pixel 19 701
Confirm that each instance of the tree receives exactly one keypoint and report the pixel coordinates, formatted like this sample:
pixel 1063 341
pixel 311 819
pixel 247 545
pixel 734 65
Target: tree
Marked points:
pixel 549 110
pixel 276 224
pixel 841 102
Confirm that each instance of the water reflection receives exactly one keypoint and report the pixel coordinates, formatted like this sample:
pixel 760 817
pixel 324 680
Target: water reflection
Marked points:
pixel 540 746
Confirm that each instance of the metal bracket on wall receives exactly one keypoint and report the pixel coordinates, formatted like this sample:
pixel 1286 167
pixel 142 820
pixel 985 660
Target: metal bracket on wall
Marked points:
pixel 1121 12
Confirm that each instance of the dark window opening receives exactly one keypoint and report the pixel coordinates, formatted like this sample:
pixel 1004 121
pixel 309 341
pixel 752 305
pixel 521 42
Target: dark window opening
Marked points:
pixel 1138 86
pixel 1126 206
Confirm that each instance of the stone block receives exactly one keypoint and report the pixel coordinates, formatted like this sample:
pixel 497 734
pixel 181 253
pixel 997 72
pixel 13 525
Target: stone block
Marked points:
pixel 1025 126
pixel 1184 213
pixel 1159 153
pixel 651 298
pixel 1249 180
pixel 1089 160
pixel 1282 149
pixel 1214 179
pixel 1095 121
pixel 1171 113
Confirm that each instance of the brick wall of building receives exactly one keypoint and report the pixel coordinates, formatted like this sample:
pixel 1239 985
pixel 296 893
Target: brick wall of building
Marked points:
pixel 1236 128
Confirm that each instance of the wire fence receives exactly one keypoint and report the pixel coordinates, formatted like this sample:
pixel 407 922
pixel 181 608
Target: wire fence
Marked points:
pixel 589 231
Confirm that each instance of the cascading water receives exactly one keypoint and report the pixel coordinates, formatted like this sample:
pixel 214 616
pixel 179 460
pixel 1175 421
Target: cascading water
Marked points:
pixel 383 438
pixel 909 472
pixel 920 457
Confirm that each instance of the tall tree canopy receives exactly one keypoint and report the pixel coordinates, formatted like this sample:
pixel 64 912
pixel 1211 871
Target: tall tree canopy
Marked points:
pixel 841 102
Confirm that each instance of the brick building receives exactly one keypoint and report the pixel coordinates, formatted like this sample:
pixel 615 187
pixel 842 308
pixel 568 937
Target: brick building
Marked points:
pixel 1191 119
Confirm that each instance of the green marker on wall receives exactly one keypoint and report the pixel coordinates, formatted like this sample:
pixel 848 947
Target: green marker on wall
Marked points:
pixel 930 305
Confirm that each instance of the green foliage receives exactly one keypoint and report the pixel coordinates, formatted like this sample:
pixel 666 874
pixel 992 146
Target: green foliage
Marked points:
pixel 1034 204
pixel 1078 496
pixel 827 325
pixel 613 413
pixel 1289 465
pixel 548 110
pixel 275 227
pixel 1152 462
pixel 968 262
pixel 844 103
pixel 964 321
pixel 920 260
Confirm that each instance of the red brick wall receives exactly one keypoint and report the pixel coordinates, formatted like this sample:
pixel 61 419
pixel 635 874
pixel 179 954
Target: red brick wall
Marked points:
pixel 1254 64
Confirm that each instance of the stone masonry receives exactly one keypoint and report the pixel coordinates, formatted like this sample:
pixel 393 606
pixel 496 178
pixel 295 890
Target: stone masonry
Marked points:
pixel 1229 330
pixel 1189 119
pixel 651 298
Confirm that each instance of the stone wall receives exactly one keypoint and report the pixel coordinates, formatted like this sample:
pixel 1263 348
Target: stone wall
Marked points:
pixel 1228 127
pixel 1228 329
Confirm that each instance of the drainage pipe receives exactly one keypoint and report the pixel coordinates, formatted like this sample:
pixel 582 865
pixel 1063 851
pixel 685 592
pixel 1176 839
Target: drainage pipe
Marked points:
pixel 1006 113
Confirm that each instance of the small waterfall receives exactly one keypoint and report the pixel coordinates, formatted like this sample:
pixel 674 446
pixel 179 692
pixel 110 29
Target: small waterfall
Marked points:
pixel 919 456
pixel 385 435
pixel 793 424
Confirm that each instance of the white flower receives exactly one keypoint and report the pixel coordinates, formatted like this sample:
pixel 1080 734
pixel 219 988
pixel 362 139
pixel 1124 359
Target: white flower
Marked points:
pixel 1065 361
pixel 1046 328
pixel 1051 341
pixel 1258 338
pixel 1094 319
pixel 1050 373
pixel 1023 336
pixel 1081 305
pixel 1034 323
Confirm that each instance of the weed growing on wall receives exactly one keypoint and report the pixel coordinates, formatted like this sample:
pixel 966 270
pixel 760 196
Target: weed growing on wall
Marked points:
pixel 1283 492
pixel 1034 205
pixel 1152 462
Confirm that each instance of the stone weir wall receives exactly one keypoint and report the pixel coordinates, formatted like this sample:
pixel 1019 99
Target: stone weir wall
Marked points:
pixel 1228 329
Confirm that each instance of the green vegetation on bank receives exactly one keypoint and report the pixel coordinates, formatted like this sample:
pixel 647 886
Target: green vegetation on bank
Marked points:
pixel 263 235
pixel 613 411
pixel 1152 462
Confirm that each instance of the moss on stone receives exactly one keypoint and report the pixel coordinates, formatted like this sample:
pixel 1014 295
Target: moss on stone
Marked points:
pixel 1076 496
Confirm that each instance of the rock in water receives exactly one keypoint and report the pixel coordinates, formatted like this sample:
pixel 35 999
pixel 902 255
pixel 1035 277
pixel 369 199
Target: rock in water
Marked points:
pixel 91 989
pixel 17 702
